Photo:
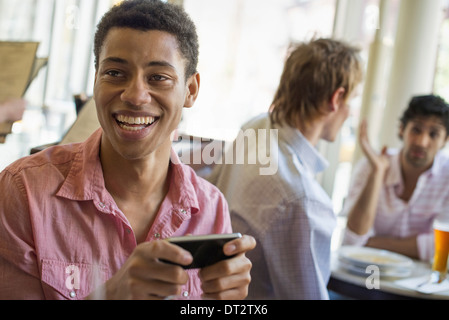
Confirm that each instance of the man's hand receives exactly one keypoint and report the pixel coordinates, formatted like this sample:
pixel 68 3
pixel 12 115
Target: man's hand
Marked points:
pixel 229 279
pixel 379 162
pixel 144 277
pixel 12 110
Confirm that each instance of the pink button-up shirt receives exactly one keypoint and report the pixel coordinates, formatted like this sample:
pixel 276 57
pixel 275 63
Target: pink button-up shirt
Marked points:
pixel 397 218
pixel 62 234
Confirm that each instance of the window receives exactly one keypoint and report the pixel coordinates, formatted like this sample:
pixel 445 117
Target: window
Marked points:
pixel 441 85
pixel 242 51
pixel 65 30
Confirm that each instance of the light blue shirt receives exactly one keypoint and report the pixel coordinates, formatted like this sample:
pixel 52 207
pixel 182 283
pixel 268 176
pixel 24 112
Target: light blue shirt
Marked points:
pixel 288 213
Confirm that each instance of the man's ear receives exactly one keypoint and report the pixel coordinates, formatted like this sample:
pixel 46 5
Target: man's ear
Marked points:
pixel 95 82
pixel 337 99
pixel 193 88
pixel 401 131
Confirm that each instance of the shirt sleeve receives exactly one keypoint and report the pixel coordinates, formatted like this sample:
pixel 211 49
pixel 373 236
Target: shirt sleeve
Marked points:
pixel 425 243
pixel 352 239
pixel 224 215
pixel 359 179
pixel 19 273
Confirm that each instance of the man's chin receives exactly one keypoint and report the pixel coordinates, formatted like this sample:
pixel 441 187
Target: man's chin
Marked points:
pixel 418 162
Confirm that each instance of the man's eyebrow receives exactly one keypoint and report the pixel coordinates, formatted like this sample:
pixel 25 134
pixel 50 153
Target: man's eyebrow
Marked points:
pixel 159 63
pixel 115 59
pixel 436 126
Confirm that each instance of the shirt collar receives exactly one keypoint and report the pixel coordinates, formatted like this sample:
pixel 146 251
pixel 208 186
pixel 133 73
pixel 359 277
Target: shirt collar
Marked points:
pixel 182 190
pixel 441 158
pixel 306 153
pixel 85 179
pixel 85 176
pixel 394 174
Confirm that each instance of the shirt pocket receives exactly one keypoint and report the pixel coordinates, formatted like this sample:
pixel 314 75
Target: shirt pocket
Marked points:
pixel 192 290
pixel 71 280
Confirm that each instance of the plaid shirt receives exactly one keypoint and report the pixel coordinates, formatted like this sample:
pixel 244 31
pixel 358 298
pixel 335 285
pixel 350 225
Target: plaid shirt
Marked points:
pixel 288 213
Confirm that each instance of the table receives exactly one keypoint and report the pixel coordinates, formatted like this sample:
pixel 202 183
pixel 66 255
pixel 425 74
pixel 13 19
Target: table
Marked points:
pixel 354 286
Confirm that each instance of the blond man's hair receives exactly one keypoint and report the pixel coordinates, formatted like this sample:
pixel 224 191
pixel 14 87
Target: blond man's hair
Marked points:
pixel 312 73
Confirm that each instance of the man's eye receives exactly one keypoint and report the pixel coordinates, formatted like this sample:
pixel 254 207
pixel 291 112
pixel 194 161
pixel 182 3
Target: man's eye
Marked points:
pixel 157 77
pixel 434 134
pixel 113 73
pixel 416 130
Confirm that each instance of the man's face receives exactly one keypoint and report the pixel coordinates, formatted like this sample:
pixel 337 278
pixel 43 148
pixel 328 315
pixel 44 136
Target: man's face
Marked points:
pixel 139 91
pixel 423 138
pixel 336 120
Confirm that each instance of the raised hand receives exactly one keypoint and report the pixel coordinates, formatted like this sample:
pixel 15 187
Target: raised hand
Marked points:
pixel 379 162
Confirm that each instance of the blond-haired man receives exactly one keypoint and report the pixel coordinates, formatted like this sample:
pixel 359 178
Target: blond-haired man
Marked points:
pixel 286 210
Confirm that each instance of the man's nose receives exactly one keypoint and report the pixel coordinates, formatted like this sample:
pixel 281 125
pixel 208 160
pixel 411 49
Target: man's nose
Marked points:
pixel 136 92
pixel 423 140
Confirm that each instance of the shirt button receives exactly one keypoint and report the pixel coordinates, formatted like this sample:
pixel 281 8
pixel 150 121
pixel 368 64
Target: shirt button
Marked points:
pixel 185 294
pixel 72 294
pixel 128 231
pixel 157 235
pixel 101 205
pixel 183 211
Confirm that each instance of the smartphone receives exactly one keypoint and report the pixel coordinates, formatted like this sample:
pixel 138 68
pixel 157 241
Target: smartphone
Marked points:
pixel 205 249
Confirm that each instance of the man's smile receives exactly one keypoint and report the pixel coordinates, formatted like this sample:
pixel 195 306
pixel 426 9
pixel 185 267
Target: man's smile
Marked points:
pixel 134 123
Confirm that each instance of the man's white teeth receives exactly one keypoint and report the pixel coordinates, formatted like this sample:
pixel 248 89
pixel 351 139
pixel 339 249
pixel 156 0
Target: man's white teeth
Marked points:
pixel 129 128
pixel 135 120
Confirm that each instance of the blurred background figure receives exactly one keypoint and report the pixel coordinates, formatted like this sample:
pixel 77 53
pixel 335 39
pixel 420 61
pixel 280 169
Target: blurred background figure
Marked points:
pixel 396 193
pixel 12 110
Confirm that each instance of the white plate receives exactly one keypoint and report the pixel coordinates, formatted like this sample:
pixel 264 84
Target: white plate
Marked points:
pixel 363 271
pixel 364 256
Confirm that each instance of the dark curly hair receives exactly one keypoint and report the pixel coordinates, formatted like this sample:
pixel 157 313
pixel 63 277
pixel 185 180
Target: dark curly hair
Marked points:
pixel 427 106
pixel 148 15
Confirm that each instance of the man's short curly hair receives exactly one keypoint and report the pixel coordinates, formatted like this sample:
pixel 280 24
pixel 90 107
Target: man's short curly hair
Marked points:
pixel 427 106
pixel 148 15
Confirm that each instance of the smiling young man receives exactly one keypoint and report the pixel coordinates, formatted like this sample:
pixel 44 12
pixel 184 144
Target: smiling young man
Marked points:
pixel 88 219
pixel 395 195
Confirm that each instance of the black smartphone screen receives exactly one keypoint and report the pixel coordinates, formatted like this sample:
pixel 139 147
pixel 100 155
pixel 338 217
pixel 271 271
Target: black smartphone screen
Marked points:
pixel 206 250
